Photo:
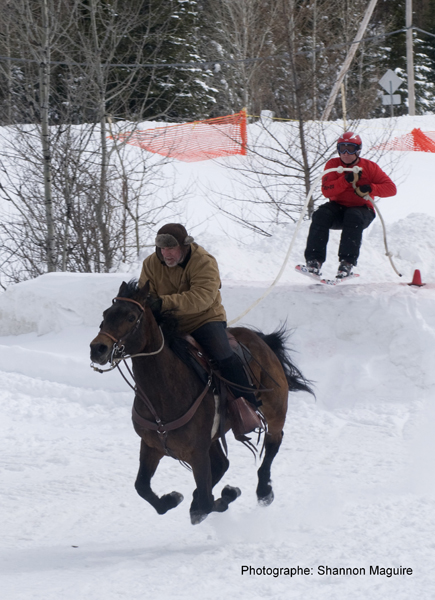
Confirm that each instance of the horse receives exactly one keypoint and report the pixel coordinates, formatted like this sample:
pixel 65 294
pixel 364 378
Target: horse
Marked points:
pixel 174 413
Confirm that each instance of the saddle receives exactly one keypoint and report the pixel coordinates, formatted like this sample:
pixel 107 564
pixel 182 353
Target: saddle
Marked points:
pixel 244 417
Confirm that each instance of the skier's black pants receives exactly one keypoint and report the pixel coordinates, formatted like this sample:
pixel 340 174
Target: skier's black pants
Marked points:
pixel 352 220
pixel 213 338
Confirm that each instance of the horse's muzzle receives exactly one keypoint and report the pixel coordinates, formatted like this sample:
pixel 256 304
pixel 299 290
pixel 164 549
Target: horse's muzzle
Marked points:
pixel 100 351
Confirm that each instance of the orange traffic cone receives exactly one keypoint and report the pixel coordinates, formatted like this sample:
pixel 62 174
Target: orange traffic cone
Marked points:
pixel 416 280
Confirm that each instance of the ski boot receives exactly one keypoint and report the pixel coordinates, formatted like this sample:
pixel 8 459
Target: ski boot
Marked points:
pixel 314 266
pixel 344 269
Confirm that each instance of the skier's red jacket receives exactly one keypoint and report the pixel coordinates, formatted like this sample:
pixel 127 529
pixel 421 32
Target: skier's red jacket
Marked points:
pixel 337 189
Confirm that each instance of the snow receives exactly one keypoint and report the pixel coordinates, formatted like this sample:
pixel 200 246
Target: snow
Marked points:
pixel 353 480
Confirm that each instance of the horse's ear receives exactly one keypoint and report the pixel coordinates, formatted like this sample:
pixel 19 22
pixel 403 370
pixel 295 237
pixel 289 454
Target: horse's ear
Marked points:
pixel 144 292
pixel 122 290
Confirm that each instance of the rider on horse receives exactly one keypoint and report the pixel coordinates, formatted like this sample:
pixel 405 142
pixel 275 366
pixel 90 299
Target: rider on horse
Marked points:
pixel 184 277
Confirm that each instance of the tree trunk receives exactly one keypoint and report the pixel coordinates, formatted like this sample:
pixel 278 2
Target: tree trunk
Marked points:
pixel 314 61
pixel 44 71
pixel 102 196
pixel 299 115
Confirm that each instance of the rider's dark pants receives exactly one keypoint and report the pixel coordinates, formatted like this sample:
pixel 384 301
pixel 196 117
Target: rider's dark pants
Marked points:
pixel 352 220
pixel 213 338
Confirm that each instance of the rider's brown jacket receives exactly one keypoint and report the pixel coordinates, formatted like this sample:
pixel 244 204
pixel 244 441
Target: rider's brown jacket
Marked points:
pixel 192 290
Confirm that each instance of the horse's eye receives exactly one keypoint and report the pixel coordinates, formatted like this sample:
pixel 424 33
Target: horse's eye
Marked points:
pixel 132 318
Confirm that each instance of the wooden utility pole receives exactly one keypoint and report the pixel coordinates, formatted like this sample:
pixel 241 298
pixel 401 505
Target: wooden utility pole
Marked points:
pixel 410 59
pixel 343 105
pixel 344 69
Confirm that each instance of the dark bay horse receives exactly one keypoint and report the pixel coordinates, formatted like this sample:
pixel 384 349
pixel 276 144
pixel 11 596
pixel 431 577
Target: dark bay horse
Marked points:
pixel 167 388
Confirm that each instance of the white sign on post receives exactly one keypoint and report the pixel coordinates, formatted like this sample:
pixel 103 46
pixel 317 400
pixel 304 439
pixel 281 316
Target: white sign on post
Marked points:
pixel 390 81
pixel 393 99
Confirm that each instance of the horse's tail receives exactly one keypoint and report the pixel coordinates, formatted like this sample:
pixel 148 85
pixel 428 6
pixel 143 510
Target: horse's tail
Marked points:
pixel 277 343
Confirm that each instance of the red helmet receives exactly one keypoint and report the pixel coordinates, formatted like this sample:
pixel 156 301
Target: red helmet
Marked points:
pixel 350 138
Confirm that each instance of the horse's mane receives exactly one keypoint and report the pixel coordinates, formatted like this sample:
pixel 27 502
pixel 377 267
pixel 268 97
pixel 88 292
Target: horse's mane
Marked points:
pixel 167 319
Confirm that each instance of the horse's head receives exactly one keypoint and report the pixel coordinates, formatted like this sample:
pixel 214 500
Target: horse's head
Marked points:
pixel 122 328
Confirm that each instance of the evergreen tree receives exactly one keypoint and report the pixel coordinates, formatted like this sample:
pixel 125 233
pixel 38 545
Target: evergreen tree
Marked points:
pixel 184 92
pixel 392 13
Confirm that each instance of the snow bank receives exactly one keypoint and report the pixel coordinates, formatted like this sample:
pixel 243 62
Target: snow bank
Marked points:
pixel 369 333
pixel 56 301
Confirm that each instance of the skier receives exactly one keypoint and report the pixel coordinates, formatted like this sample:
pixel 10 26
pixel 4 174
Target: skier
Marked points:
pixel 347 209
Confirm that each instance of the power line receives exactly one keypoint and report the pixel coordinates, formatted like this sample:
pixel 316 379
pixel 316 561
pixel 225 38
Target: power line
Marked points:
pixel 423 31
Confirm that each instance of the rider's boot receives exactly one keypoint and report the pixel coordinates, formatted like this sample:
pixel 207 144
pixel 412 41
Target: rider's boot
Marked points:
pixel 242 408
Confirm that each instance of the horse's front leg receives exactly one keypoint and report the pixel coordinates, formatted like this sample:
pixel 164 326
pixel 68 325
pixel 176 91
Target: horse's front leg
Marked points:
pixel 208 468
pixel 149 460
pixel 203 500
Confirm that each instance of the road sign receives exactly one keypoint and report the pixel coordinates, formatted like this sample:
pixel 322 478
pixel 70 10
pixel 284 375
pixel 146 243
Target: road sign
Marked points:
pixel 391 99
pixel 390 81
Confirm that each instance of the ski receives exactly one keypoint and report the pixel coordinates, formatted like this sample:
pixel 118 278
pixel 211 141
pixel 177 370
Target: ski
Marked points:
pixel 302 269
pixel 336 281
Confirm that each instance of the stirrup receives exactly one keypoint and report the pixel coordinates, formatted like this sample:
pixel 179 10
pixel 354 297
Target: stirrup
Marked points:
pixel 243 416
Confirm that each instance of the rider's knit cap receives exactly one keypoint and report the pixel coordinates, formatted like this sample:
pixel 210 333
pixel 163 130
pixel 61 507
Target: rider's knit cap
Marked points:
pixel 171 235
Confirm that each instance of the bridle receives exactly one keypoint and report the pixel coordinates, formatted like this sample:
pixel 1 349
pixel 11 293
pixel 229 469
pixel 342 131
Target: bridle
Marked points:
pixel 119 345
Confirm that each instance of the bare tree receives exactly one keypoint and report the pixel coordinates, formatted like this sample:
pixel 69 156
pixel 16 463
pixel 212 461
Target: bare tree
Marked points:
pixel 76 199
pixel 39 31
pixel 240 33
pixel 97 43
pixel 138 196
pixel 45 136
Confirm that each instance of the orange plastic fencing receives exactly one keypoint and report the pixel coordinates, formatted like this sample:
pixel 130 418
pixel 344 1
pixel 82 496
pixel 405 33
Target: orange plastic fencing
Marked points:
pixel 191 142
pixel 416 141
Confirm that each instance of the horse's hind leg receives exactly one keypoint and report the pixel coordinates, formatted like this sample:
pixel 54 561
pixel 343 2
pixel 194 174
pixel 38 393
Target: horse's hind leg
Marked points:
pixel 149 460
pixel 264 488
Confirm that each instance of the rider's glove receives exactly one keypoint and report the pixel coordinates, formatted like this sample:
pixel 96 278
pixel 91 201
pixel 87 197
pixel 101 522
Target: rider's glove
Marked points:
pixel 352 177
pixel 155 303
pixel 363 190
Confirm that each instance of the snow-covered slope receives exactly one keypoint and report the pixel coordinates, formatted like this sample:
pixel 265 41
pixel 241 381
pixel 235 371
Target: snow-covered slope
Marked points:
pixel 354 485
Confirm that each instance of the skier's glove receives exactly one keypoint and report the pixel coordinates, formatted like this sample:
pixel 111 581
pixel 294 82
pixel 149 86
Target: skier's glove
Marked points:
pixel 352 177
pixel 363 190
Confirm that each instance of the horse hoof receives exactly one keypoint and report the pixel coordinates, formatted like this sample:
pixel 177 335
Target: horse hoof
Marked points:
pixel 174 498
pixel 230 493
pixel 197 517
pixel 169 501
pixel 266 500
